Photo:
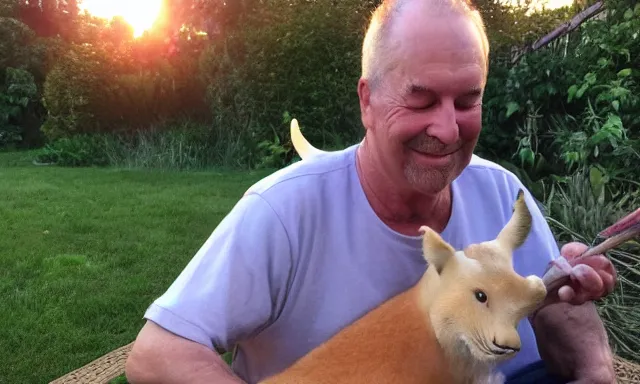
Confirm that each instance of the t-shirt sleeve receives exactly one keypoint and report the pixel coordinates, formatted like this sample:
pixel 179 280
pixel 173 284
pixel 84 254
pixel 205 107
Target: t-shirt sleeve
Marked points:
pixel 541 246
pixel 235 284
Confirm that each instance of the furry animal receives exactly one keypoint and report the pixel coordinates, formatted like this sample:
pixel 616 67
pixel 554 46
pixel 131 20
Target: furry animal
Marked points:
pixel 453 326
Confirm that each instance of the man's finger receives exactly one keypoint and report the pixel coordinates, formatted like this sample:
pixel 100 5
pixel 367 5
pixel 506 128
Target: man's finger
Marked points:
pixel 566 293
pixel 597 262
pixel 573 249
pixel 588 279
pixel 608 281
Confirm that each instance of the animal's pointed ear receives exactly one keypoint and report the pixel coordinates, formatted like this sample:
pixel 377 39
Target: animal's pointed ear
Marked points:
pixel 515 232
pixel 436 251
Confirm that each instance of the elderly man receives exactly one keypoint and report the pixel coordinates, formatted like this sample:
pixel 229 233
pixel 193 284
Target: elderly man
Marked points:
pixel 316 245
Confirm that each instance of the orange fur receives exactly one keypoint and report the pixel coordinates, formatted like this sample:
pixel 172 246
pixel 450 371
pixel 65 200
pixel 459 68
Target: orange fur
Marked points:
pixel 394 343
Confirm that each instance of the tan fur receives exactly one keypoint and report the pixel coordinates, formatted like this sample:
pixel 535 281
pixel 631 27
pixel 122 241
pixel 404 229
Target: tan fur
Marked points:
pixel 437 331
pixel 300 143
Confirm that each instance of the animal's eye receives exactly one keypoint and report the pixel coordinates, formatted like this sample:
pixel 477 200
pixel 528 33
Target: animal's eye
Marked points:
pixel 481 296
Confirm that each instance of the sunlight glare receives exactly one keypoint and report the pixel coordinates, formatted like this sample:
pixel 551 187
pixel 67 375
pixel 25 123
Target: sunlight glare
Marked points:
pixel 554 4
pixel 548 4
pixel 140 14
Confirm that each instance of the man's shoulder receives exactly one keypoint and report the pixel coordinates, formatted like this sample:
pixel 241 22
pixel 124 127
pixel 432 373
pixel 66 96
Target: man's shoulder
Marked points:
pixel 485 180
pixel 308 175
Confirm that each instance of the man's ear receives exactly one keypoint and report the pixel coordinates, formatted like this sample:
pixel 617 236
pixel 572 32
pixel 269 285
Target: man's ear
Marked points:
pixel 436 251
pixel 364 95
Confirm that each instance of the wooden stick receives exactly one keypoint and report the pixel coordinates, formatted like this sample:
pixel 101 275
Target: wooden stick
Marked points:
pixel 561 30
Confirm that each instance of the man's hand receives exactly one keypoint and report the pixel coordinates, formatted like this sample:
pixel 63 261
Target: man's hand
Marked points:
pixel 570 335
pixel 590 278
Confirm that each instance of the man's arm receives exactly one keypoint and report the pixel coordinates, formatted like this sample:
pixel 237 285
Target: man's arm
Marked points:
pixel 571 336
pixel 572 340
pixel 161 357
pixel 233 287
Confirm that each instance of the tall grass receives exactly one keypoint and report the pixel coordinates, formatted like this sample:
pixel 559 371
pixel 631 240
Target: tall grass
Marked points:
pixel 577 208
pixel 166 150
pixel 186 146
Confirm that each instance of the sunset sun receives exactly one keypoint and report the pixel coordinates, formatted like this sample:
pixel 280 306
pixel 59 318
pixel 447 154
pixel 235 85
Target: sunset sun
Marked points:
pixel 140 14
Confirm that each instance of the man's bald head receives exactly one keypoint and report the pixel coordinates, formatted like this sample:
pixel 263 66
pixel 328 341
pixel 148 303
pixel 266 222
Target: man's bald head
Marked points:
pixel 379 43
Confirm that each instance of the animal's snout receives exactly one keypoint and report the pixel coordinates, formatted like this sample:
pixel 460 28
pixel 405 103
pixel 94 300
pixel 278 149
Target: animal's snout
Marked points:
pixel 500 349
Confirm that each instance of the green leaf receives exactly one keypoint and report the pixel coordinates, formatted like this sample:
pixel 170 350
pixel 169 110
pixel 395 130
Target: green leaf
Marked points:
pixel 582 90
pixel 512 107
pixel 624 73
pixel 527 156
pixel 625 51
pixel 628 14
pixel 616 105
pixel 571 92
pixel 595 179
pixel 614 121
pixel 602 62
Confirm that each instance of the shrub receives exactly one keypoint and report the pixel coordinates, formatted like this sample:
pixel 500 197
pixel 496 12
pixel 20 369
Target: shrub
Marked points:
pixel 78 151
pixel 16 97
pixel 301 60
pixel 574 105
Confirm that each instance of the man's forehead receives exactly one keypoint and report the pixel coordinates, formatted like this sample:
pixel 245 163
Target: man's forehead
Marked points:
pixel 424 79
pixel 438 44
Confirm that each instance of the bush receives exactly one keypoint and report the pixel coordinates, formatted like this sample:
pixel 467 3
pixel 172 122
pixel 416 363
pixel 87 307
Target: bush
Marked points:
pixel 81 150
pixel 16 97
pixel 301 60
pixel 188 146
pixel 556 112
pixel 110 87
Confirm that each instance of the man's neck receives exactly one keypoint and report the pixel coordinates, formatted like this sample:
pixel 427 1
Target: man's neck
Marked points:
pixel 403 211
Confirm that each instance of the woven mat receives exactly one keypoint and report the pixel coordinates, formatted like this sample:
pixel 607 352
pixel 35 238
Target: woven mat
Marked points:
pixel 101 370
pixel 627 372
pixel 108 367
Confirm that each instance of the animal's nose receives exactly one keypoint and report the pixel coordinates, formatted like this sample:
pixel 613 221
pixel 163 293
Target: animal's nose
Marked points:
pixel 504 349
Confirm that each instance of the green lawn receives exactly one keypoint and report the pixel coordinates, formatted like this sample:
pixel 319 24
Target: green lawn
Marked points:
pixel 83 252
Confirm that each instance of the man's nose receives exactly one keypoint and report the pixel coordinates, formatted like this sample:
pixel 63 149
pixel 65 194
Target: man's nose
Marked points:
pixel 444 126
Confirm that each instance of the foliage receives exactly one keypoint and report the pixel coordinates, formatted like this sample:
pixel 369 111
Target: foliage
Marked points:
pixel 98 88
pixel 278 66
pixel 609 96
pixel 578 208
pixel 574 104
pixel 76 151
pixel 267 67
pixel 75 90
pixel 16 96
pixel 514 24
pixel 191 146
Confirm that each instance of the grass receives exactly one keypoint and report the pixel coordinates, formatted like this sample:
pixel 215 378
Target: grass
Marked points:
pixel 86 250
